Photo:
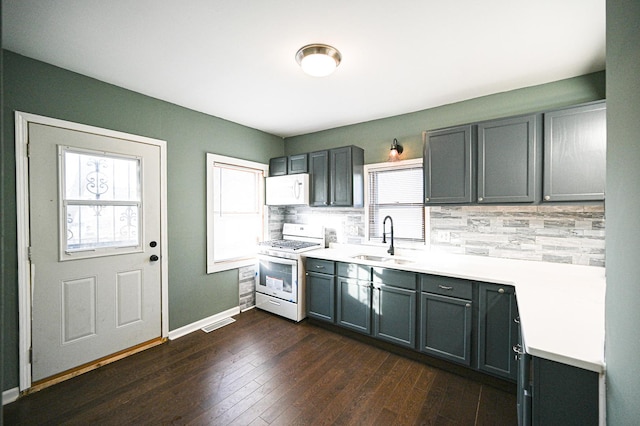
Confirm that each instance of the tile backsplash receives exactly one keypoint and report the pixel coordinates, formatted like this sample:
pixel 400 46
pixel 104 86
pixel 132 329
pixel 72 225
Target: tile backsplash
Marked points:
pixel 560 233
pixel 342 225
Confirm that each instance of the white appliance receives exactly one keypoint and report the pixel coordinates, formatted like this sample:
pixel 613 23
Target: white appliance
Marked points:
pixel 287 190
pixel 280 286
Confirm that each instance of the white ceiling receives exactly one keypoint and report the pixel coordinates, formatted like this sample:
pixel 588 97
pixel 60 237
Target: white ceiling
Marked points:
pixel 234 59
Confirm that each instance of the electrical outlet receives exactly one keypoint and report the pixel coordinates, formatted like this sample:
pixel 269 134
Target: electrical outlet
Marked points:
pixel 443 236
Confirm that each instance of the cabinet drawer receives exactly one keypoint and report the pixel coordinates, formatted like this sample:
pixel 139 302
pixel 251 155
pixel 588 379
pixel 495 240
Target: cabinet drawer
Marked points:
pixel 354 270
pixel 320 265
pixel 447 286
pixel 395 278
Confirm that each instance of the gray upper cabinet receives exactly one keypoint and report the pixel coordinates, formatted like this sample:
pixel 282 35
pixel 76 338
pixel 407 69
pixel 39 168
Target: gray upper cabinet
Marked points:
pixel 319 177
pixel 337 177
pixel 346 176
pixel 575 141
pixel 508 160
pixel 449 162
pixel 298 164
pixel 278 166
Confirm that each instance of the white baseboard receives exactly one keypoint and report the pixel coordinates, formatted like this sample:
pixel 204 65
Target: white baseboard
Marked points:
pixel 10 395
pixel 189 328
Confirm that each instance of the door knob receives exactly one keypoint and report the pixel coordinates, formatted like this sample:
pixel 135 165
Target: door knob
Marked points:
pixel 154 258
pixel 153 244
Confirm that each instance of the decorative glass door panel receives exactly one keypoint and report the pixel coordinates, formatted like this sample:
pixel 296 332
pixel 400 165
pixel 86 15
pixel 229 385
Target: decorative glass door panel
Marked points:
pixel 100 203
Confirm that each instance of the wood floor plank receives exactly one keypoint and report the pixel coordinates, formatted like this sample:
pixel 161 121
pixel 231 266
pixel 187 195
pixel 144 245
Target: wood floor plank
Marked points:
pixel 398 397
pixel 265 370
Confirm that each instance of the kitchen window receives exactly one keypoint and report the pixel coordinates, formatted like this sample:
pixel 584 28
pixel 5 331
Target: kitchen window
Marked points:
pixel 235 211
pixel 395 189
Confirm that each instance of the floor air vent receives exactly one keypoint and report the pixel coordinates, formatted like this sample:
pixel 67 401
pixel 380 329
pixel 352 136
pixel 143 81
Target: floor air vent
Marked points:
pixel 216 325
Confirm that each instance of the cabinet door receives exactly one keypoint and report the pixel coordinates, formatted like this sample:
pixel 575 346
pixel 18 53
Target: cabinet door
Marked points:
pixel 564 395
pixel 497 330
pixel 340 177
pixel 320 289
pixel 278 166
pixel 354 304
pixel 507 160
pixel 445 327
pixel 575 144
pixel 395 315
pixel 298 164
pixel 319 171
pixel 448 166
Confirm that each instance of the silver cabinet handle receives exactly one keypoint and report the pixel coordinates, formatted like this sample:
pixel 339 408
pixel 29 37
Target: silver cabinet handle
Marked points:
pixel 444 287
pixel 468 305
pixel 518 349
pixel 319 267
pixel 547 197
pixel 480 199
pixel 501 291
pixel 426 200
pixel 516 320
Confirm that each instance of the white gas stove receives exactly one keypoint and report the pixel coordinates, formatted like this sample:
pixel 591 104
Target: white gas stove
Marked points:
pixel 280 287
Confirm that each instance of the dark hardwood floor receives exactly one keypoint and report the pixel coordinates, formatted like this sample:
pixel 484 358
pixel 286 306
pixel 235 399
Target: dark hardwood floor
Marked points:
pixel 262 370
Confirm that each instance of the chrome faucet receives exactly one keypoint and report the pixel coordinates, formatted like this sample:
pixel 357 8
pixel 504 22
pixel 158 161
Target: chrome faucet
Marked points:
pixel 391 250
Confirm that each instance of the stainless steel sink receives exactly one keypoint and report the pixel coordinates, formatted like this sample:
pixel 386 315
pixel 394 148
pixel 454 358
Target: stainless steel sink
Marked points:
pixel 382 259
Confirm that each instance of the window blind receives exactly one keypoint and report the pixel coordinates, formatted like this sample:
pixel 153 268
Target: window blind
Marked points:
pixel 396 192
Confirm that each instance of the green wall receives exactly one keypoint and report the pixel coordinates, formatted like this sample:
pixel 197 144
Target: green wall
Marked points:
pixel 622 208
pixel 376 136
pixel 39 88
pixel 35 87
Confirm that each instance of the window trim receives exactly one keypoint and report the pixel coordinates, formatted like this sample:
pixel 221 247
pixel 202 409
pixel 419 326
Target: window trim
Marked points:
pixel 393 165
pixel 64 253
pixel 213 266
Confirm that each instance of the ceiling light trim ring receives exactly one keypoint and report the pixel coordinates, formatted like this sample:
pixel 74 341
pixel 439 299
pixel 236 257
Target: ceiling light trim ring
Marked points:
pixel 318 49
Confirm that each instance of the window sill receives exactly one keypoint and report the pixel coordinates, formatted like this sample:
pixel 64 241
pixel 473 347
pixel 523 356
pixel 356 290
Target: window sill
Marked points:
pixel 212 268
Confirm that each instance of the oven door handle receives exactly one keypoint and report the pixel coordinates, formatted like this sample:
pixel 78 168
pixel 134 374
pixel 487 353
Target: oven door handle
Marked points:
pixel 275 259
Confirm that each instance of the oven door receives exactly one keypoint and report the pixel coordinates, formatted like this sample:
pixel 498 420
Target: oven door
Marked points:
pixel 278 277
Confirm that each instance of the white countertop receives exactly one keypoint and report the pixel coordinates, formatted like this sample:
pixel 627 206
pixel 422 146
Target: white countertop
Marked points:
pixel 561 306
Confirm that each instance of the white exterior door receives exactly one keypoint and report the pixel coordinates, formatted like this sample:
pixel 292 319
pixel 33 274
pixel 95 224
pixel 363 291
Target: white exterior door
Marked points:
pixel 95 235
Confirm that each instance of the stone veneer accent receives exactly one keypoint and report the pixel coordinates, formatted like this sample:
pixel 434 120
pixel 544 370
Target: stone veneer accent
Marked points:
pixel 548 233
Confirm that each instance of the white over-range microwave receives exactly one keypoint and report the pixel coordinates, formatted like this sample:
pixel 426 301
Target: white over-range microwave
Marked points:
pixel 287 190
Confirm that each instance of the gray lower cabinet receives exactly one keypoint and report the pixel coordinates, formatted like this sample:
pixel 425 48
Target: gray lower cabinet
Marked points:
pixel 354 297
pixel 498 330
pixel 395 306
pixel 508 160
pixel 575 144
pixel 446 318
pixel 449 166
pixel 563 394
pixel 320 289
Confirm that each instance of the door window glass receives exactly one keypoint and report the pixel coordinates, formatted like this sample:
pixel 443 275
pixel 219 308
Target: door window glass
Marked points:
pixel 101 203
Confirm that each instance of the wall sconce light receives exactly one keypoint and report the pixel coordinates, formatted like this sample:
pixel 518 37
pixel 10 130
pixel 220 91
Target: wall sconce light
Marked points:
pixel 318 60
pixel 395 151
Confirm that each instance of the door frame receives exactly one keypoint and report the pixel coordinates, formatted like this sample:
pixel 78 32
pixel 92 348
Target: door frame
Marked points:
pixel 25 272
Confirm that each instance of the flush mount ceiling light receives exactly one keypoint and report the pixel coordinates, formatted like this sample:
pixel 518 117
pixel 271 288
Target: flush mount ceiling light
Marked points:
pixel 318 60
pixel 395 151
